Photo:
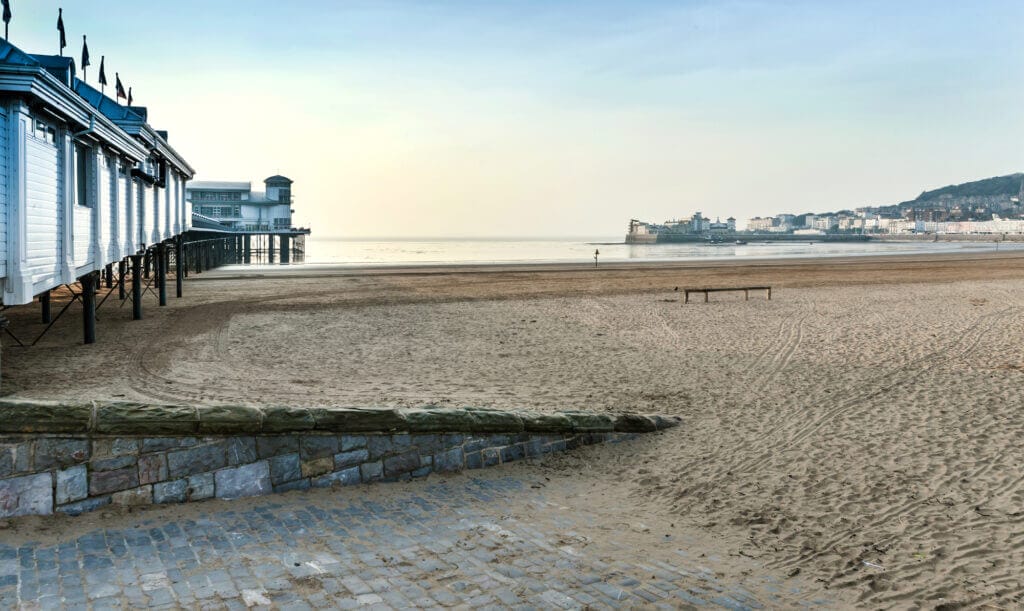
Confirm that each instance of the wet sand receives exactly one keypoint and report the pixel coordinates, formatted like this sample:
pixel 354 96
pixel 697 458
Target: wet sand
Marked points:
pixel 861 430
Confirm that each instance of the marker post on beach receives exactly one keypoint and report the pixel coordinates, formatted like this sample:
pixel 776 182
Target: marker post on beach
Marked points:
pixel 596 252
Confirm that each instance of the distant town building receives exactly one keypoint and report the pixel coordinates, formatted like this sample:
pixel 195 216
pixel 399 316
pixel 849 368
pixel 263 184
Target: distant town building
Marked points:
pixel 236 205
pixel 760 224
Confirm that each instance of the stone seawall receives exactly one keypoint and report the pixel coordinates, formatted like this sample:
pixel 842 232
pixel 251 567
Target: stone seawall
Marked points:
pixel 76 458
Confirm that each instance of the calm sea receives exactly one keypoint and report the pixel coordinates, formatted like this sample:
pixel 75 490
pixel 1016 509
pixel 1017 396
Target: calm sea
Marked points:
pixel 353 252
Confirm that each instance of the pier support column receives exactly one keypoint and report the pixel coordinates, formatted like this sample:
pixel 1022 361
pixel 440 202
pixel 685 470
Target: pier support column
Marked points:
pixel 89 282
pixel 247 249
pixel 110 275
pixel 120 279
pixel 160 260
pixel 270 248
pixel 44 307
pixel 285 250
pixel 179 277
pixel 136 287
pixel 147 262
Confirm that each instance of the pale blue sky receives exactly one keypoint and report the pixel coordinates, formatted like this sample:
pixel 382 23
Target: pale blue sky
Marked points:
pixel 565 118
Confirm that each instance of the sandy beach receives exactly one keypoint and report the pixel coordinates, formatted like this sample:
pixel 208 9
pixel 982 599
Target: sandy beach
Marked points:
pixel 861 430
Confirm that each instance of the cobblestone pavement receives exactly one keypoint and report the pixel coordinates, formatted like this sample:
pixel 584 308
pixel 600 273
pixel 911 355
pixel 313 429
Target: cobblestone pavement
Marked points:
pixel 441 542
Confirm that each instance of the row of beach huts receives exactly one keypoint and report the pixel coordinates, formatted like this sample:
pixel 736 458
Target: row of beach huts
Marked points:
pixel 91 192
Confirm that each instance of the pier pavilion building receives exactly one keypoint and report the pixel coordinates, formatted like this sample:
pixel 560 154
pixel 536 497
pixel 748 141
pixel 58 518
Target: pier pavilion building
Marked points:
pixel 236 205
pixel 260 222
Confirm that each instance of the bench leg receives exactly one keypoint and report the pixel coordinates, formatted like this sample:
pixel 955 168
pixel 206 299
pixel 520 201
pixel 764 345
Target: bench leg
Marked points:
pixel 746 295
pixel 686 296
pixel 705 296
pixel 769 294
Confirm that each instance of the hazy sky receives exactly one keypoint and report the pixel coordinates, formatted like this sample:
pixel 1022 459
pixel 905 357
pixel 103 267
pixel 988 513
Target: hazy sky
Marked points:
pixel 554 118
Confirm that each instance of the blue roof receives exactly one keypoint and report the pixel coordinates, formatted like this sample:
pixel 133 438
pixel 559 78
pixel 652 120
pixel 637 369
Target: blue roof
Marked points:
pixel 110 109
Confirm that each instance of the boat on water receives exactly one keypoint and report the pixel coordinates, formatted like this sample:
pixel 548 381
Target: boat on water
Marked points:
pixel 741 242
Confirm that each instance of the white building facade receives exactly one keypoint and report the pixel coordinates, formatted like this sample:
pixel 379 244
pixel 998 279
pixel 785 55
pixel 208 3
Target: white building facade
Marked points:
pixel 235 205
pixel 84 181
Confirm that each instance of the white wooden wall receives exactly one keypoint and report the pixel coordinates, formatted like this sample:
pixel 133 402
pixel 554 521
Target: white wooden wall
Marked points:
pixel 47 235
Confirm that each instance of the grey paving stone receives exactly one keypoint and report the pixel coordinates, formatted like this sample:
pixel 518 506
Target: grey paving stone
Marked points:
pixel 391 550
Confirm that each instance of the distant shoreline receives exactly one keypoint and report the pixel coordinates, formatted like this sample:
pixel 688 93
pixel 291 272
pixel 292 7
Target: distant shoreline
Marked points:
pixel 315 270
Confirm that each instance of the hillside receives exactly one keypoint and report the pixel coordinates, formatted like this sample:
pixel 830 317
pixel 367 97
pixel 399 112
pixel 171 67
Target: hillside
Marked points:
pixel 998 187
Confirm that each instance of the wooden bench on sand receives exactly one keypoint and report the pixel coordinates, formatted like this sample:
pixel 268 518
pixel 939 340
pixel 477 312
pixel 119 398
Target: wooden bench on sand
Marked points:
pixel 746 292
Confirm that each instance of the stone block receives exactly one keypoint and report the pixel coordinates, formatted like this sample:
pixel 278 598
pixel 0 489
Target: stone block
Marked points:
pixel 229 420
pixel 421 472
pixel 436 420
pixel 27 495
pixel 276 445
pixel 351 442
pixel 287 420
pixel 142 495
pixel 160 444
pixel 284 468
pixel 428 443
pixel 667 422
pixel 589 422
pixel 317 466
pixel 85 505
pixel 112 464
pixel 246 480
pixel 372 471
pixel 56 453
pixel 318 446
pixel 118 446
pixel 380 445
pixel 141 419
pixel 448 461
pixel 353 457
pixel 450 440
pixel 358 420
pixel 493 421
pixel 546 423
pixel 200 487
pixel 515 451
pixel 152 468
pixel 345 477
pixel 6 460
pixel 105 482
pixel 402 463
pixel 72 485
pixel 474 460
pixel 171 492
pixel 634 423
pixel 43 417
pixel 240 450
pixel 196 460
pixel 299 484
pixel 491 456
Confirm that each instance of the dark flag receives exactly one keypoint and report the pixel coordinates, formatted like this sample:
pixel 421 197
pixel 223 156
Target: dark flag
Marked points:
pixel 119 86
pixel 85 55
pixel 103 73
pixel 129 96
pixel 60 28
pixel 7 16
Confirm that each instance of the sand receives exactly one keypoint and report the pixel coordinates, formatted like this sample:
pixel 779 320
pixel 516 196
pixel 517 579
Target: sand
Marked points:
pixel 862 430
